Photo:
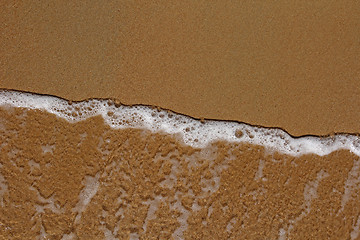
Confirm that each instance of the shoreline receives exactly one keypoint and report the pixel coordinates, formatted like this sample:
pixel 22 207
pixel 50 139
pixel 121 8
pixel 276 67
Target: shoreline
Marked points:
pixel 179 120
pixel 293 66
pixel 58 178
pixel 194 132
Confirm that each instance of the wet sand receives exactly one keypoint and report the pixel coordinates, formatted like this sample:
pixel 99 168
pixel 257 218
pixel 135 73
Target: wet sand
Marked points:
pixel 132 183
pixel 293 65
pixel 290 65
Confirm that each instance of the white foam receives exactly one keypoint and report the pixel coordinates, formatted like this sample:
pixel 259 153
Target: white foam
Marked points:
pixel 87 193
pixel 48 148
pixel 259 173
pixel 356 230
pixel 352 184
pixel 70 236
pixel 3 189
pixel 194 132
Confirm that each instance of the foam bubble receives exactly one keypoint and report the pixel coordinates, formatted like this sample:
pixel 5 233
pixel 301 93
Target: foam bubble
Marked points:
pixel 196 133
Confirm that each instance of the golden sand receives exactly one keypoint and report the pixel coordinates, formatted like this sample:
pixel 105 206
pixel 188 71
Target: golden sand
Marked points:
pixel 289 64
pixel 87 181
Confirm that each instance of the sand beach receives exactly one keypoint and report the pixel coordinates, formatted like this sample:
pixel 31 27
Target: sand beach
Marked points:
pixel 279 161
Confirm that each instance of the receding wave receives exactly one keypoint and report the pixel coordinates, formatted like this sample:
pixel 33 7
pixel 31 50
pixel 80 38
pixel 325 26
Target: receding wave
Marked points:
pixel 194 132
pixel 101 170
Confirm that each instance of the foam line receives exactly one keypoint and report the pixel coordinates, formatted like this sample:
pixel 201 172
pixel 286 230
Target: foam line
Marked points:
pixel 194 132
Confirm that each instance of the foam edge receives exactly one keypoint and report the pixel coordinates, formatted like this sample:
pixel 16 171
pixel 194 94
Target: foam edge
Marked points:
pixel 196 133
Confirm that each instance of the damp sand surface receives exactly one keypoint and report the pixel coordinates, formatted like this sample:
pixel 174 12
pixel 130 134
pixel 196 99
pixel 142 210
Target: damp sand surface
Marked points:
pixel 62 179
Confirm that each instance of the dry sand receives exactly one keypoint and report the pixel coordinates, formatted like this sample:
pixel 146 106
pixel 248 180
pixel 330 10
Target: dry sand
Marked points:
pixel 289 64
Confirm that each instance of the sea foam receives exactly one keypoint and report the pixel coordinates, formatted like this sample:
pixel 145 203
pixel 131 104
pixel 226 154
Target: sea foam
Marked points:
pixel 196 133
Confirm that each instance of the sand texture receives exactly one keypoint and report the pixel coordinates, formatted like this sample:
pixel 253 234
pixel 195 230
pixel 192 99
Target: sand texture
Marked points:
pixel 289 64
pixel 294 65
pixel 134 184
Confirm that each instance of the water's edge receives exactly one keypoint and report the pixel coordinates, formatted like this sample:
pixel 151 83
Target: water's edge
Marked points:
pixel 194 132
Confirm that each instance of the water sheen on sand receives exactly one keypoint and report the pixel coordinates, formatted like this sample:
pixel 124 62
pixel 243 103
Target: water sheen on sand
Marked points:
pixel 97 170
